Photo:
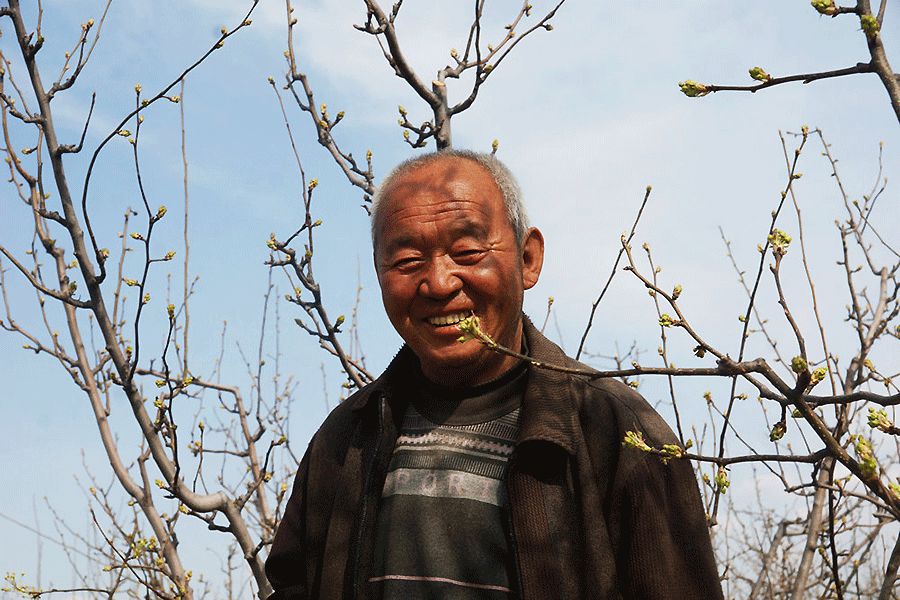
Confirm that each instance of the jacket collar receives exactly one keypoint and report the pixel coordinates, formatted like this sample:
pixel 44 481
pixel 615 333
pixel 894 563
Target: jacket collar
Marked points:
pixel 548 409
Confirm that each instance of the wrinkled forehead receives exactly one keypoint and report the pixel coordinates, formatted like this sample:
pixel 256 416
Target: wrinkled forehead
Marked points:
pixel 458 193
pixel 454 225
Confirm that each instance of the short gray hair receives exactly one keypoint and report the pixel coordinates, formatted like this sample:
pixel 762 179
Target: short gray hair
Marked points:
pixel 499 172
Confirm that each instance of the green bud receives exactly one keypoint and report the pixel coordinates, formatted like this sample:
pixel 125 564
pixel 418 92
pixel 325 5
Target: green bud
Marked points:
pixel 635 439
pixel 798 364
pixel 869 24
pixel 722 481
pixel 778 431
pixel 759 74
pixel 692 89
pixel 672 451
pixel 895 489
pixel 878 419
pixel 867 463
pixel 470 328
pixel 824 7
pixel 818 375
pixel 779 241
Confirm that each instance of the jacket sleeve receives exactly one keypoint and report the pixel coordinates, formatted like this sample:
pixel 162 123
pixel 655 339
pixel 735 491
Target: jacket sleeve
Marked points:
pixel 659 530
pixel 286 564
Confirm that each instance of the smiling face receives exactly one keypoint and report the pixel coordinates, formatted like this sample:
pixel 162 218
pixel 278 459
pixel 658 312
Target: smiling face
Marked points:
pixel 445 249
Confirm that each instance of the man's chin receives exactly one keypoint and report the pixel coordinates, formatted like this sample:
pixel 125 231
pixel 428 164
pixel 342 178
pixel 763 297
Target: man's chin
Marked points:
pixel 461 368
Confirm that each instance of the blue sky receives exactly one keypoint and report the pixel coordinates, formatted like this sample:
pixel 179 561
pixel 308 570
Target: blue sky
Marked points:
pixel 587 116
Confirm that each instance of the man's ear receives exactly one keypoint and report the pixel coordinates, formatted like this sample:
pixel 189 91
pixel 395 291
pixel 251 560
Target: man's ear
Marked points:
pixel 532 257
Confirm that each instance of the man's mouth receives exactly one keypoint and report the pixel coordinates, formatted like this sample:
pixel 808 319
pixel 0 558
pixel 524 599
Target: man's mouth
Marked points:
pixel 445 320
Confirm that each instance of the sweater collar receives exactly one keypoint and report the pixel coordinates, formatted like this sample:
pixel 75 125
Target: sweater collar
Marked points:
pixel 548 413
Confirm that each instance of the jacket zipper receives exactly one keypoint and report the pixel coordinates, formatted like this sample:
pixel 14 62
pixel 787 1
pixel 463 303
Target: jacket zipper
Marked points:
pixel 366 504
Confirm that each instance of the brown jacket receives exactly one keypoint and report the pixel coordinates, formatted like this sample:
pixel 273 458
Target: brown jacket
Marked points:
pixel 587 517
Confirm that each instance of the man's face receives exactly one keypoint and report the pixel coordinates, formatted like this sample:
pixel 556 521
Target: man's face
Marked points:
pixel 444 249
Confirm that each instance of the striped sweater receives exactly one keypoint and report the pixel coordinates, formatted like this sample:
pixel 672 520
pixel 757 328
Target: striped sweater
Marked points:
pixel 441 530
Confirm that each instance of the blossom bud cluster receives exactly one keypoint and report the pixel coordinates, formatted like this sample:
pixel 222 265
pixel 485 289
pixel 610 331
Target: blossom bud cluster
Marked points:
pixel 867 463
pixel 779 241
pixel 878 419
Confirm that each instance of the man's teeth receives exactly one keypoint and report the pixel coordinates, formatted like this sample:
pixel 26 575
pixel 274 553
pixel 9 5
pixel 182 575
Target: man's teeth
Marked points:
pixel 448 319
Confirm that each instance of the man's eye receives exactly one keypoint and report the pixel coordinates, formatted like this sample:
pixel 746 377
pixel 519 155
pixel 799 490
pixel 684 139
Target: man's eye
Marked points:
pixel 468 255
pixel 408 262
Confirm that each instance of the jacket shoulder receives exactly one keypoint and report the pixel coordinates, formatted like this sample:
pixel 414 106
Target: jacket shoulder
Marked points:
pixel 605 408
pixel 340 424
pixel 629 409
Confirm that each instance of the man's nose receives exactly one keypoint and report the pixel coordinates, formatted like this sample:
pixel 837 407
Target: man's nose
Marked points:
pixel 440 280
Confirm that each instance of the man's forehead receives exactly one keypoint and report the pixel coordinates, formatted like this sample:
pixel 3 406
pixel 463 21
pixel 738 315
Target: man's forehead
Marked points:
pixel 455 225
pixel 457 195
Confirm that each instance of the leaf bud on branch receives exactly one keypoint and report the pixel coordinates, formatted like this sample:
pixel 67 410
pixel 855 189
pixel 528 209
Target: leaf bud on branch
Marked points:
pixel 779 241
pixel 759 74
pixel 867 463
pixel 824 7
pixel 817 376
pixel 722 481
pixel 778 431
pixel 869 25
pixel 666 320
pixel 878 419
pixel 635 439
pixel 692 89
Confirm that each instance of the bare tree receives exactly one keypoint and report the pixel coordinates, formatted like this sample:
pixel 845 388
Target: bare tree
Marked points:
pixel 113 308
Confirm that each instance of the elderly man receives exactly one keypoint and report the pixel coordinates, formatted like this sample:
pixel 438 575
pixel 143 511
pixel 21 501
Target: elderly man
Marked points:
pixel 465 473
